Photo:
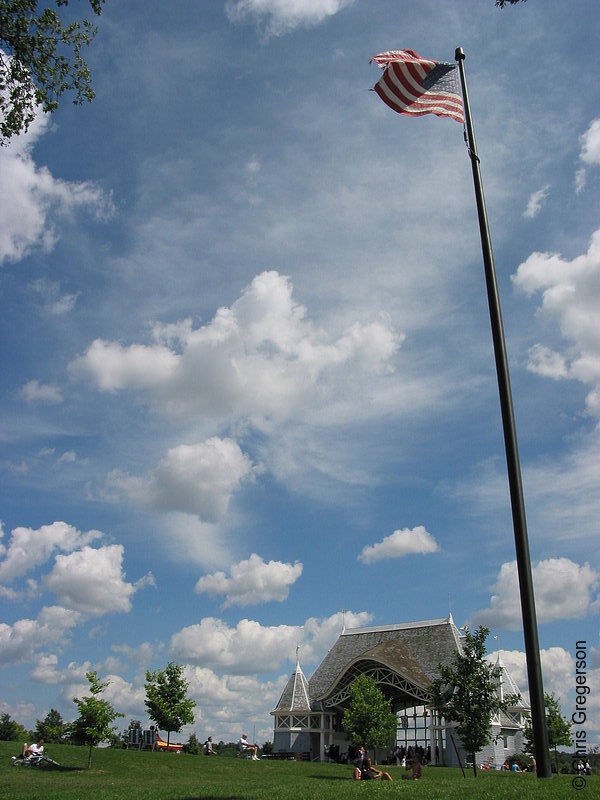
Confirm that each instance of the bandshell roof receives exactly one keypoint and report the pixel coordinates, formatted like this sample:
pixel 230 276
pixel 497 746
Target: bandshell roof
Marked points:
pixel 413 649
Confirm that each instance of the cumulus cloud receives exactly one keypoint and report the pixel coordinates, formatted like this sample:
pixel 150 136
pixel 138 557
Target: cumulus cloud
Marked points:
pixel 570 295
pixel 196 479
pixel 36 392
pixel 251 582
pixel 400 543
pixel 261 359
pixel 47 671
pixel 557 669
pixel 536 201
pixel 281 15
pixel 590 152
pixel 32 199
pixel 29 548
pixel 20 641
pixel 91 581
pixel 116 367
pixel 250 647
pixel 141 654
pixel 563 590
pixel 229 700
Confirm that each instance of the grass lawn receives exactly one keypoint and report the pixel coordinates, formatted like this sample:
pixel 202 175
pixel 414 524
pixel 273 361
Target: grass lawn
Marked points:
pixel 132 775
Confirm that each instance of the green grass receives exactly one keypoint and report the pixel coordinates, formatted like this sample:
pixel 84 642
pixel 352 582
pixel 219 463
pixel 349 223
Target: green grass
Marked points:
pixel 132 775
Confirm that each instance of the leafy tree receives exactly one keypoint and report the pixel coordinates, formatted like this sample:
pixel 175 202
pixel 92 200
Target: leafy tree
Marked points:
pixel 194 745
pixel 502 3
pixel 40 59
pixel 466 693
pixel 559 728
pixel 96 716
pixel 166 699
pixel 369 718
pixel 11 731
pixel 52 728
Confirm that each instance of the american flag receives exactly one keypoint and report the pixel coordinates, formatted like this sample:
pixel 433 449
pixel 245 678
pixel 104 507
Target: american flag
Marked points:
pixel 413 85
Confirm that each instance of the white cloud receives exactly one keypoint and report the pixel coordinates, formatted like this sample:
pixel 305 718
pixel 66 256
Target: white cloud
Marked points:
pixel 546 362
pixel 284 16
pixel 55 302
pixel 196 479
pixel 571 295
pixel 29 548
pixel 123 695
pixel 261 359
pixel 253 648
pixel 251 582
pixel 31 199
pixel 400 543
pixel 141 654
pixel 557 670
pixel 536 201
pixel 228 701
pixel 116 367
pixel 590 144
pixel 248 648
pixel 590 153
pixel 91 581
pixel 20 641
pixel 46 671
pixel 36 392
pixel 563 590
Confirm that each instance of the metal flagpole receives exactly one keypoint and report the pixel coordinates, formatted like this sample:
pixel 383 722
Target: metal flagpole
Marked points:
pixel 530 632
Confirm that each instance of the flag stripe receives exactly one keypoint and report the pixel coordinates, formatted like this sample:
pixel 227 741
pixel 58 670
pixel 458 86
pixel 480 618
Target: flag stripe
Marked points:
pixel 407 101
pixel 416 86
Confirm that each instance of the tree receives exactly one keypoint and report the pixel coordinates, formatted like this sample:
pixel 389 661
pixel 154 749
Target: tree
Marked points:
pixel 96 716
pixel 559 728
pixel 40 60
pixel 502 3
pixel 11 731
pixel 166 699
pixel 466 692
pixel 52 728
pixel 369 718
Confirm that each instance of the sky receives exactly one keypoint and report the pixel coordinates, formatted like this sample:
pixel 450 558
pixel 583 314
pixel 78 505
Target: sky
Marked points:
pixel 248 387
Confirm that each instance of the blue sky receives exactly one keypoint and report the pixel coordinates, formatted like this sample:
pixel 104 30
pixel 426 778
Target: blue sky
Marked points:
pixel 248 388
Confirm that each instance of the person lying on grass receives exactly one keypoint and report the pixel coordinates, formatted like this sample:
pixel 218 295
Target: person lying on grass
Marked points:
pixel 32 749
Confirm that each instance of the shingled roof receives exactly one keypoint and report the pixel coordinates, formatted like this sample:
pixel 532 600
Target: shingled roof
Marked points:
pixel 295 698
pixel 412 649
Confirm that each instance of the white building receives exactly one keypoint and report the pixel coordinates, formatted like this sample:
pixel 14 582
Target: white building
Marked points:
pixel 403 659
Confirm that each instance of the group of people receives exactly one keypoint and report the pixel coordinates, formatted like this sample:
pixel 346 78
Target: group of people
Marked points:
pixel 244 746
pixel 365 771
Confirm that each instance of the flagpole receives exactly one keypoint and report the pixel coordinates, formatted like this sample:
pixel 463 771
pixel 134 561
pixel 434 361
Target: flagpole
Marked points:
pixel 530 631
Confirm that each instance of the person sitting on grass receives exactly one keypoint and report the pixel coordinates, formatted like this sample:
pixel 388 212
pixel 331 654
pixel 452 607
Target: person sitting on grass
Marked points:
pixel 246 747
pixel 209 750
pixel 417 770
pixel 367 772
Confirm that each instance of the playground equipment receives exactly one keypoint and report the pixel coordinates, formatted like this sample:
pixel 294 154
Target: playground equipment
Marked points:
pixel 171 748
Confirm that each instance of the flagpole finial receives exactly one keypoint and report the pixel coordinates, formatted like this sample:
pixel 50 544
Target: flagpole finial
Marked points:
pixel 459 54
